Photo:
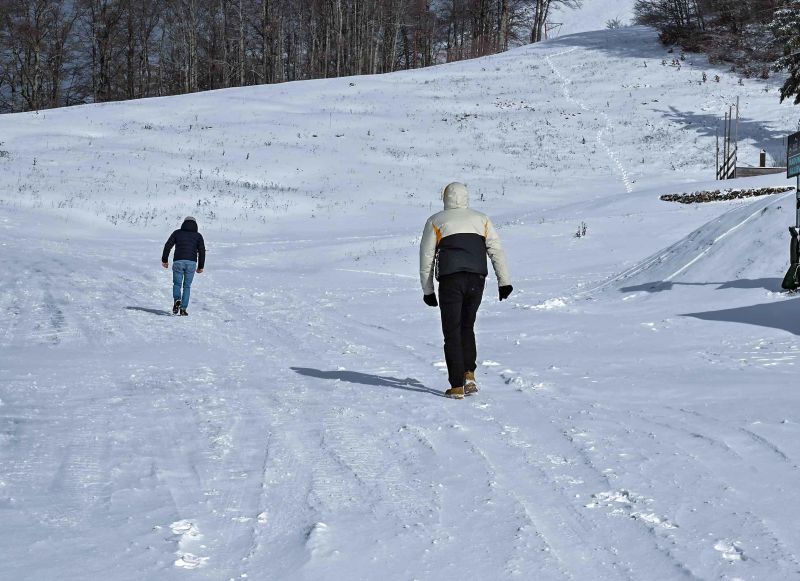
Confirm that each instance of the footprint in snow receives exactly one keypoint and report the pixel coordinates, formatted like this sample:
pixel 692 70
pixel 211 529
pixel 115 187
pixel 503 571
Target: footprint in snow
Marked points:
pixel 318 539
pixel 188 535
pixel 186 529
pixel 731 550
pixel 625 503
pixel 190 561
pixel 511 377
pixel 548 305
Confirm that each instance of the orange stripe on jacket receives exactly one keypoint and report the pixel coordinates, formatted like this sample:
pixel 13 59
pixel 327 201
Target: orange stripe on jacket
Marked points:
pixel 438 234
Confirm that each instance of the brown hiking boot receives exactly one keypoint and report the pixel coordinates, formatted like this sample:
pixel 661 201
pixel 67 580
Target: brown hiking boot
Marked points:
pixel 455 393
pixel 470 386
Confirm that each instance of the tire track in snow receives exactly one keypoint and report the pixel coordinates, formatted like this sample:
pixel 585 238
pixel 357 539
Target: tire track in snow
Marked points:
pixel 200 463
pixel 600 137
pixel 718 471
pixel 299 466
pixel 536 535
pixel 390 488
pixel 501 506
pixel 584 544
pixel 80 483
pixel 239 509
pixel 331 471
pixel 569 465
pixel 568 542
pixel 176 464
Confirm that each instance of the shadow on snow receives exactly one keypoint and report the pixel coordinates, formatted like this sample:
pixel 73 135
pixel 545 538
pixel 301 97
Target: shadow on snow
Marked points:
pixel 408 384
pixel 628 42
pixel 707 125
pixel 778 315
pixel 641 42
pixel 770 284
pixel 151 311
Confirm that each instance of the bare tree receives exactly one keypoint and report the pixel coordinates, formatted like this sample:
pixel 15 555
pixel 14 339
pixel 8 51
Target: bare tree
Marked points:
pixel 104 19
pixel 541 10
pixel 57 52
pixel 736 32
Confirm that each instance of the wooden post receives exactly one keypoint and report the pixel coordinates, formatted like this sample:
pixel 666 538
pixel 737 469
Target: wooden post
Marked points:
pixel 725 146
pixel 736 139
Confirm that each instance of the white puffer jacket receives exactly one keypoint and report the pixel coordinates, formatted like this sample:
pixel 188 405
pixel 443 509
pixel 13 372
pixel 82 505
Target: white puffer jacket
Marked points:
pixel 458 240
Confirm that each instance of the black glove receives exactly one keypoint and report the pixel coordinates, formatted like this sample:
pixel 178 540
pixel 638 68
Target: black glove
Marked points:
pixel 505 291
pixel 430 300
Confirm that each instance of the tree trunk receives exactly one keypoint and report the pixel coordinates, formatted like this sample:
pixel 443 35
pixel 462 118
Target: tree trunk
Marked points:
pixel 541 10
pixel 241 45
pixel 129 55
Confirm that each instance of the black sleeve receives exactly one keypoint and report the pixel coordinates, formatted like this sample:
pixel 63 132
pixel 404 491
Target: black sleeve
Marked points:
pixel 168 248
pixel 201 252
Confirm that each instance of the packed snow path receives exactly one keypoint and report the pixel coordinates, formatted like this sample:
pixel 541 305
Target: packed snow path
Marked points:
pixel 600 132
pixel 636 418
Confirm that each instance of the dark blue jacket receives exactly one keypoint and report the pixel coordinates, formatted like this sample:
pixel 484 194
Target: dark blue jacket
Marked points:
pixel 188 243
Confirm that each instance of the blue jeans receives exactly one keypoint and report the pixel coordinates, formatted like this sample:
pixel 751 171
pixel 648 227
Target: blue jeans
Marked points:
pixel 182 275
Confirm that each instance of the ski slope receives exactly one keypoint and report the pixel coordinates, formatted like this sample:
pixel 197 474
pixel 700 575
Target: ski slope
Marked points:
pixel 636 418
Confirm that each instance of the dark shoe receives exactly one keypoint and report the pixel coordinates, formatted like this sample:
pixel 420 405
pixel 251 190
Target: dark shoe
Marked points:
pixel 184 313
pixel 470 386
pixel 176 307
pixel 455 393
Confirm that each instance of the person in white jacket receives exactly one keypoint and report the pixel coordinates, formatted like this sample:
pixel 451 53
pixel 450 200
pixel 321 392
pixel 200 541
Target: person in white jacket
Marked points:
pixel 453 250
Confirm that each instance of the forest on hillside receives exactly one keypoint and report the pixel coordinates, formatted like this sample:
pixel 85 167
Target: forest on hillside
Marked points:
pixel 65 52
pixel 756 37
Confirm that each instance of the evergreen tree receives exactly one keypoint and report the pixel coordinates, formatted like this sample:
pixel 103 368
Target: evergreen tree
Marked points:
pixel 786 28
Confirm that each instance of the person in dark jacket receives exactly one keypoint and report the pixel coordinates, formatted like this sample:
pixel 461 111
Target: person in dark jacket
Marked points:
pixel 454 246
pixel 190 257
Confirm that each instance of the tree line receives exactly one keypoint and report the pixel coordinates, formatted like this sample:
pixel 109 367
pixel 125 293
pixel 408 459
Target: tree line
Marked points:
pixel 64 52
pixel 755 36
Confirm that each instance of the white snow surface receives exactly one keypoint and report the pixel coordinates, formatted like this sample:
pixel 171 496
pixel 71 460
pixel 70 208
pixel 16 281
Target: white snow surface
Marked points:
pixel 638 417
pixel 591 15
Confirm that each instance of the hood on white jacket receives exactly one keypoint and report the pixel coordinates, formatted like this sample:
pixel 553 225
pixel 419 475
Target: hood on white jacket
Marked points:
pixel 455 195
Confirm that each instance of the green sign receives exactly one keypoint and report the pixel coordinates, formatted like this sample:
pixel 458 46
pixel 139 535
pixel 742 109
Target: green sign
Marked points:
pixel 793 156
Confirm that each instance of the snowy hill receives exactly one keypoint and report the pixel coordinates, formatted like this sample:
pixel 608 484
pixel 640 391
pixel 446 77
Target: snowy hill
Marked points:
pixel 636 418
pixel 592 15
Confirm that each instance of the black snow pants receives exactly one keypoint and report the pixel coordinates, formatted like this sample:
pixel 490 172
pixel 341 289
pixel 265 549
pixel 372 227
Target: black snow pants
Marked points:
pixel 460 296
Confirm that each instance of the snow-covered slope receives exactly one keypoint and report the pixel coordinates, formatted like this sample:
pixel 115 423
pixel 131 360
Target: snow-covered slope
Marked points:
pixel 636 418
pixel 591 15
pixel 534 124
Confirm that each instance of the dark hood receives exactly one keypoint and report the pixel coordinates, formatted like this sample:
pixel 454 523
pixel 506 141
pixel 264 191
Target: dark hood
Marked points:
pixel 189 226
